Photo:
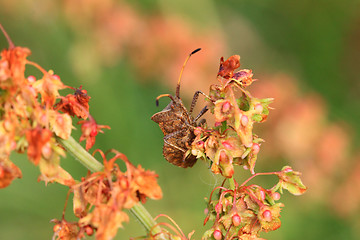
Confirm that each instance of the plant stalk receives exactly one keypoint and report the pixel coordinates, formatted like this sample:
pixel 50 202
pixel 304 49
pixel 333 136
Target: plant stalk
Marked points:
pixel 86 159
pixel 232 183
pixel 80 154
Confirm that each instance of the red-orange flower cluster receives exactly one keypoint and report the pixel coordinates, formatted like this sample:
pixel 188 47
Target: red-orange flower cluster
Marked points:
pixel 27 124
pixel 240 212
pixel 76 104
pixel 101 197
pixel 90 129
pixel 244 211
pixel 231 142
pixel 31 121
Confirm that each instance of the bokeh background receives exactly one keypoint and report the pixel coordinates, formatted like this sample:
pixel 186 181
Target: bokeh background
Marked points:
pixel 306 55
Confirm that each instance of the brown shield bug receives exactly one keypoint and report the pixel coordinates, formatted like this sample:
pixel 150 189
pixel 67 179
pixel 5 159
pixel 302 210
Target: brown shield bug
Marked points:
pixel 178 125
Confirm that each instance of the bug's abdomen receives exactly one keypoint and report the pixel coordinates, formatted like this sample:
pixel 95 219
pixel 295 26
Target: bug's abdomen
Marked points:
pixel 176 156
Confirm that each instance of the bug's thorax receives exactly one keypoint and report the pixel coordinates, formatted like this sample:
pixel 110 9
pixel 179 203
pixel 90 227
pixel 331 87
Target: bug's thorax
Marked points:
pixel 180 110
pixel 174 110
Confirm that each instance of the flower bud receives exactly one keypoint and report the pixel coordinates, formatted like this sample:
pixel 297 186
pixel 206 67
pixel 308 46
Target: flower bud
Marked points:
pixel 57 228
pixel 288 169
pixel 262 195
pixel 258 108
pixel 236 219
pixel 206 211
pixel 244 120
pixel 217 234
pixel 267 215
pixel 46 150
pixel 275 196
pixel 31 79
pixel 89 230
pixel 218 208
pixel 255 148
pixel 227 145
pixel 56 77
pixel 226 107
pixel 223 110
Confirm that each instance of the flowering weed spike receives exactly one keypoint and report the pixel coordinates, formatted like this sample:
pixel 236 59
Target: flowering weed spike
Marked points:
pixel 240 212
pixel 31 122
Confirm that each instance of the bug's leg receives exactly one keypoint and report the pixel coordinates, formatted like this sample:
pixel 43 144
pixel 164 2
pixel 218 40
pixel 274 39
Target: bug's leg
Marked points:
pixel 194 122
pixel 170 135
pixel 187 123
pixel 195 98
pixel 201 122
pixel 202 112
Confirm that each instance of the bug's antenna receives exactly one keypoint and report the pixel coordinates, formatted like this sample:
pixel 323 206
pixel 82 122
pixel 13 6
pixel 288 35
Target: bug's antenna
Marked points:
pixel 163 95
pixel 182 69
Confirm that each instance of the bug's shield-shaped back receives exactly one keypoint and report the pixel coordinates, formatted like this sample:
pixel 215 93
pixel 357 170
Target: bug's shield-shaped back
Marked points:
pixel 172 122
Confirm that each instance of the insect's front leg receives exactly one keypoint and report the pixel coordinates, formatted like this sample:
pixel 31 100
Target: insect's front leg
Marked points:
pixel 201 122
pixel 202 112
pixel 195 98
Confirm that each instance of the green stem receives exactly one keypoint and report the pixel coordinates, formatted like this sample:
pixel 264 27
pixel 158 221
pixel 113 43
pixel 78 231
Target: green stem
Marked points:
pixel 140 212
pixel 86 159
pixel 232 183
pixel 80 154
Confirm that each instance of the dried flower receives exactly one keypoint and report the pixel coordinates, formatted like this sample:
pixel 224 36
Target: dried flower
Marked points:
pixel 89 130
pixel 76 104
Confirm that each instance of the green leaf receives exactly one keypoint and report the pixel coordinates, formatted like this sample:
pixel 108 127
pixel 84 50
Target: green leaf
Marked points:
pixel 290 180
pixel 208 234
pixel 257 118
pixel 243 103
pixel 266 101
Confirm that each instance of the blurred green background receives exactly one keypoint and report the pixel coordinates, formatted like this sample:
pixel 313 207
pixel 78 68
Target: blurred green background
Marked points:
pixel 316 42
